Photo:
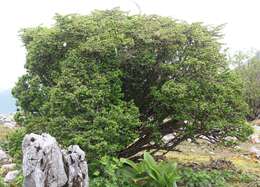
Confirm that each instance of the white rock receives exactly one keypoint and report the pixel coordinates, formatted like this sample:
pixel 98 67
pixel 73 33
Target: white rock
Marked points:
pixel 167 119
pixel 42 161
pixel 256 127
pixel 77 166
pixel 204 138
pixel 4 158
pixel 167 138
pixel 3 155
pixel 237 147
pixel 255 138
pixel 10 125
pixel 230 138
pixel 10 176
pixel 7 121
pixel 255 151
pixel 45 165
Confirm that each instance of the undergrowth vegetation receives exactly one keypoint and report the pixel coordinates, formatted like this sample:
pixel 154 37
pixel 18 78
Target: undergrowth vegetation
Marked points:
pixel 149 173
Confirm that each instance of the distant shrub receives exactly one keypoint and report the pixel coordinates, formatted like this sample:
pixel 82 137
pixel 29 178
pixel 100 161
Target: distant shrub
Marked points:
pixel 248 68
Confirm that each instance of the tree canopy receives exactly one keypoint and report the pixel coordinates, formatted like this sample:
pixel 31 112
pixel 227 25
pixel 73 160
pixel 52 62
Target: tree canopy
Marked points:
pixel 116 83
pixel 248 68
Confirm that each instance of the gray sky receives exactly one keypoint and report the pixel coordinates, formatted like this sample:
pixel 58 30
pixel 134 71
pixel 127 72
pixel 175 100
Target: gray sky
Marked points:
pixel 241 16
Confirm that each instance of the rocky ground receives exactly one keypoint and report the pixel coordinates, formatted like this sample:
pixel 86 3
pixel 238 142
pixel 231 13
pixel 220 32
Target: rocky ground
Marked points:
pixel 8 170
pixel 7 120
pixel 245 156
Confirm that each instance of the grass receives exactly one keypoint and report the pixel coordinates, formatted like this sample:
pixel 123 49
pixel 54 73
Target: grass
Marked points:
pixel 186 158
pixel 243 164
pixel 4 131
pixel 247 164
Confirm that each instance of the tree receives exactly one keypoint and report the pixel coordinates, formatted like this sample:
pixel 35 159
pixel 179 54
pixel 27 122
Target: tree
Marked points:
pixel 116 84
pixel 248 68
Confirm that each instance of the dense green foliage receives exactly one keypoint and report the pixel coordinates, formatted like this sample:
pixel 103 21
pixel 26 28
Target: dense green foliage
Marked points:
pixel 113 172
pixel 218 178
pixel 249 70
pixel 202 178
pixel 107 172
pixel 149 173
pixel 14 143
pixel 109 79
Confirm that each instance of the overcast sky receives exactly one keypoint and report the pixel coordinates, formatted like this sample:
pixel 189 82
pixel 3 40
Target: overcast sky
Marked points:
pixel 242 31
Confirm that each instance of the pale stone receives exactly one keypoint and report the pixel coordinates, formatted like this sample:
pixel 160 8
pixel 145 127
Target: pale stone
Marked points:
pixel 11 176
pixel 255 138
pixel 255 151
pixel 3 155
pixel 45 165
pixel 231 138
pixel 167 138
pixel 77 166
pixel 4 159
pixel 237 147
pixel 42 162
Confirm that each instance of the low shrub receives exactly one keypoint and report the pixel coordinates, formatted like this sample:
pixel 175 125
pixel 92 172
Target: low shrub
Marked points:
pixel 14 144
pixel 149 173
pixel 107 172
pixel 112 172
pixel 190 178
pixel 213 178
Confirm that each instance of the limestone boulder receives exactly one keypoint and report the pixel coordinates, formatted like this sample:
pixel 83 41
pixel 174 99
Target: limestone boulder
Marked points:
pixel 77 169
pixel 46 165
pixel 42 162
